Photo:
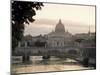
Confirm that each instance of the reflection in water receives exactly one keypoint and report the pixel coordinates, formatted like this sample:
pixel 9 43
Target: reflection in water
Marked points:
pixel 52 64
pixel 53 61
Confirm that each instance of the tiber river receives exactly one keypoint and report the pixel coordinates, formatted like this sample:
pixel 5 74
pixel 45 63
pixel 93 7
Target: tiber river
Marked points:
pixel 53 64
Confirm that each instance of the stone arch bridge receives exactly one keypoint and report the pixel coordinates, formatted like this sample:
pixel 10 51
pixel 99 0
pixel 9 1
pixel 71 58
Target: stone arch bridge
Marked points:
pixel 59 52
pixel 79 54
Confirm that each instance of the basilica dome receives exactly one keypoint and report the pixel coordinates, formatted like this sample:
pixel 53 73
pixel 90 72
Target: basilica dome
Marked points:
pixel 60 27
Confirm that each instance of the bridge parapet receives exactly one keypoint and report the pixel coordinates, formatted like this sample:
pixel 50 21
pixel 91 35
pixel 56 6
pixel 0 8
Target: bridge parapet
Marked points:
pixel 42 50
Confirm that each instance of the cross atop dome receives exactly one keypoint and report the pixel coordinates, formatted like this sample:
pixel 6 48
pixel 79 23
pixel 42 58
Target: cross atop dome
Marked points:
pixel 60 21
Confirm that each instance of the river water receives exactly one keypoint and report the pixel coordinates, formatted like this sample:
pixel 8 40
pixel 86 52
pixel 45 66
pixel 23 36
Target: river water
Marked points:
pixel 53 64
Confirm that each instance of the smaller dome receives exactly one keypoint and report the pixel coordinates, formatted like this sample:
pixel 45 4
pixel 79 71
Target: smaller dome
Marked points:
pixel 60 27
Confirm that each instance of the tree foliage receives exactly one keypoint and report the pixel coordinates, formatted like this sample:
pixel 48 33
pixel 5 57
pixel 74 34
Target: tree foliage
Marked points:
pixel 22 13
pixel 79 40
pixel 38 43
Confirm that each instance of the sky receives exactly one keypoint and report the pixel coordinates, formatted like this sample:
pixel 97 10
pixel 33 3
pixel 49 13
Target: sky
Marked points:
pixel 76 19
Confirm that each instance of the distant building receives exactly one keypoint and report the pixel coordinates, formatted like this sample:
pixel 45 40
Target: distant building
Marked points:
pixel 59 38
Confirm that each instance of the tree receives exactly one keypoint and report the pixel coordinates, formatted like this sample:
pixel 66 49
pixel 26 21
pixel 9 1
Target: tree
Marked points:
pixel 38 43
pixel 79 40
pixel 22 13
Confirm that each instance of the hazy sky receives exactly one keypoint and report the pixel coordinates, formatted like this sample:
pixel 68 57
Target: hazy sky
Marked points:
pixel 75 18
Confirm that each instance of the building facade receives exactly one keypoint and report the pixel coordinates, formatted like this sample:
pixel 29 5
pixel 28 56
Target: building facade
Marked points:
pixel 59 37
